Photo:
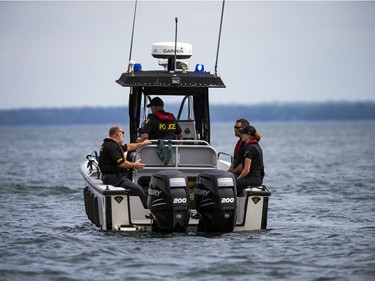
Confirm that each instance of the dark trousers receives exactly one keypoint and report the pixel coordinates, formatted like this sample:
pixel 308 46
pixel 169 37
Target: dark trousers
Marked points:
pixel 122 181
pixel 247 181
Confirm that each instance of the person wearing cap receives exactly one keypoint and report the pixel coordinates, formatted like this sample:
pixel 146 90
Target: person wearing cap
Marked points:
pixel 252 172
pixel 236 166
pixel 160 124
pixel 113 163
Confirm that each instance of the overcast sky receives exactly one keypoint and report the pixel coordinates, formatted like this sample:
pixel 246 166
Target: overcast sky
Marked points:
pixel 62 54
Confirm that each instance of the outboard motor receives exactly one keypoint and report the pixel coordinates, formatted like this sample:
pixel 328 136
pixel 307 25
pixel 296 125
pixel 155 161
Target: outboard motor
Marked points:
pixel 168 201
pixel 216 201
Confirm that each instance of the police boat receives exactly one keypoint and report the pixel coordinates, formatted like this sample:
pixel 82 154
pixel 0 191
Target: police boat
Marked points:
pixel 188 186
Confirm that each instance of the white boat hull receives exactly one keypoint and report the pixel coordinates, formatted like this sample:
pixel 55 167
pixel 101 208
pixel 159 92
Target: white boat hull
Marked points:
pixel 114 208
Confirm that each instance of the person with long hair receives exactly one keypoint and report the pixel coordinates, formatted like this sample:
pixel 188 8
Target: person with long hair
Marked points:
pixel 252 172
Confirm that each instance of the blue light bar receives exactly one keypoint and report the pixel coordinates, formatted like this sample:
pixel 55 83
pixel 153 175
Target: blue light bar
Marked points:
pixel 137 67
pixel 199 68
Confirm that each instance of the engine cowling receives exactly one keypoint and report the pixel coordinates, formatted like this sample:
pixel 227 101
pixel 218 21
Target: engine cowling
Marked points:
pixel 168 201
pixel 216 201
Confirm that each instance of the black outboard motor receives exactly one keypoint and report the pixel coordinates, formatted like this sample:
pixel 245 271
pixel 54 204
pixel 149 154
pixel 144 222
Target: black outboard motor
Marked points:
pixel 168 201
pixel 216 201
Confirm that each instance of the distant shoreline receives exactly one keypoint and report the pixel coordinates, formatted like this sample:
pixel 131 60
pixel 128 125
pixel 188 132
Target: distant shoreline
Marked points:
pixel 318 111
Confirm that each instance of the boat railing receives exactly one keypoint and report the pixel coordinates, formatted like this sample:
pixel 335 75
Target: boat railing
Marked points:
pixel 187 156
pixel 177 154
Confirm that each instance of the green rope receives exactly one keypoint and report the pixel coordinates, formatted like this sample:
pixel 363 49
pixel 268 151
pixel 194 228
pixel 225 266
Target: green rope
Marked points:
pixel 161 153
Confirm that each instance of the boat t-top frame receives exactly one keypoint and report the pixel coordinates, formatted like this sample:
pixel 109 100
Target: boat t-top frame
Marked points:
pixel 147 84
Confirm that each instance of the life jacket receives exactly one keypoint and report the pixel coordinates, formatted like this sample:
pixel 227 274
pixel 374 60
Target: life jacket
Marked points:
pixel 237 152
pixel 164 116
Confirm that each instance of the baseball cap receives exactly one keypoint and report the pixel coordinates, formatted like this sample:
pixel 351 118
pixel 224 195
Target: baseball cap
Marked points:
pixel 156 101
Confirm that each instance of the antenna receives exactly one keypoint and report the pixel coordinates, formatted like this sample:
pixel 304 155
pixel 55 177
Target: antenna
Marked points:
pixel 175 47
pixel 218 41
pixel 131 41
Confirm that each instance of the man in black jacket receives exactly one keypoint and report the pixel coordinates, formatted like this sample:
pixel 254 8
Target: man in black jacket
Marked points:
pixel 160 124
pixel 113 163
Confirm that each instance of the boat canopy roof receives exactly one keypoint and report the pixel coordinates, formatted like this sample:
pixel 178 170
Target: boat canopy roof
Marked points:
pixel 167 79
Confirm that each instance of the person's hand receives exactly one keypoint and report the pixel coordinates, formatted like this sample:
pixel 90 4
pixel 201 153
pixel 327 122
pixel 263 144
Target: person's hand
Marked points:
pixel 146 142
pixel 138 165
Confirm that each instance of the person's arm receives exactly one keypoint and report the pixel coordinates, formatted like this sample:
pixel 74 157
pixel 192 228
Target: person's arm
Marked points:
pixel 147 128
pixel 133 165
pixel 133 146
pixel 237 170
pixel 246 169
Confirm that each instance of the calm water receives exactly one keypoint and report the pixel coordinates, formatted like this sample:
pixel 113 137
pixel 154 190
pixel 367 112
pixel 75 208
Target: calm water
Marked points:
pixel 321 223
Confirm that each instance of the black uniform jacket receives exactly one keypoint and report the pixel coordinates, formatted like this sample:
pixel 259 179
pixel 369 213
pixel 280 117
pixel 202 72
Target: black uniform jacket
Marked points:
pixel 161 125
pixel 111 156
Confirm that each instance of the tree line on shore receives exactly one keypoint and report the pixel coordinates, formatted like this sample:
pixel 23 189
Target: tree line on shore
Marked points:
pixel 361 110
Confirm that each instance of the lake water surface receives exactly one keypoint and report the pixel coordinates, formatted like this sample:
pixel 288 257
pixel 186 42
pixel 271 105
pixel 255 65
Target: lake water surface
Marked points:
pixel 321 218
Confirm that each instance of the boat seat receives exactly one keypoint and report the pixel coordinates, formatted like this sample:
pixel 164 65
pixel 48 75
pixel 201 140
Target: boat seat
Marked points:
pixel 188 129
